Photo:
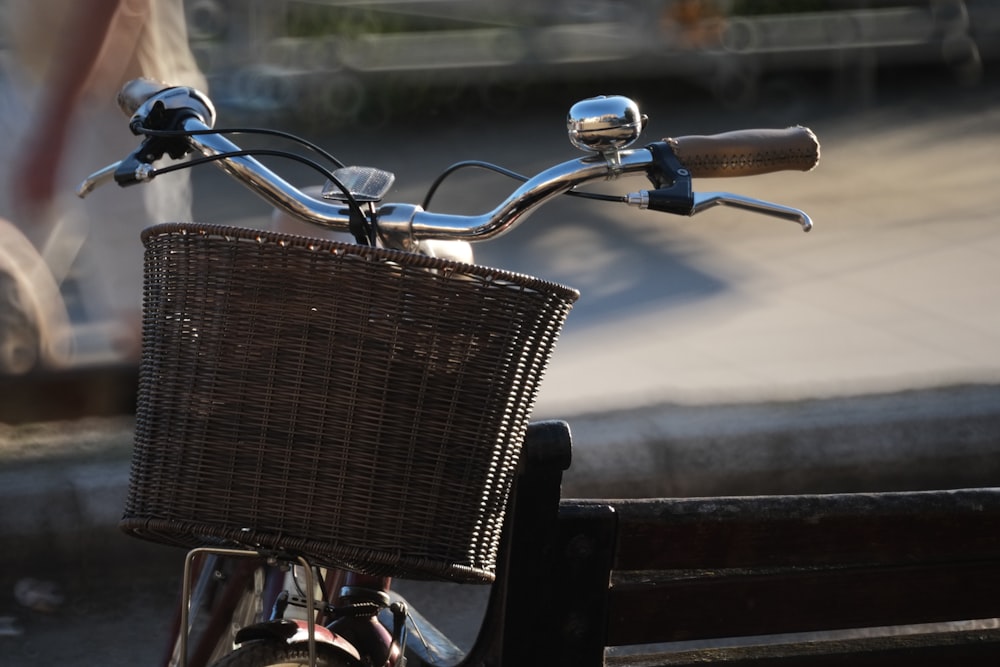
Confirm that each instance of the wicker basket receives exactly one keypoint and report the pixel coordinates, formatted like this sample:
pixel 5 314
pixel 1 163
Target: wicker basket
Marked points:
pixel 361 406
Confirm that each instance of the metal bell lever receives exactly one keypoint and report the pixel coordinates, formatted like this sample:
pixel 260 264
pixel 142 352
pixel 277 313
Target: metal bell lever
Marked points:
pixel 707 200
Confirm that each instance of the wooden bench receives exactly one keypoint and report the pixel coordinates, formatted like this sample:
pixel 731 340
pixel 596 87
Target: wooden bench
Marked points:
pixel 768 580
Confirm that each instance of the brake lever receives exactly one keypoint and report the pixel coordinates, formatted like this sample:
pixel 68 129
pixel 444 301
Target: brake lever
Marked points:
pixel 136 167
pixel 97 179
pixel 128 171
pixel 674 192
pixel 707 200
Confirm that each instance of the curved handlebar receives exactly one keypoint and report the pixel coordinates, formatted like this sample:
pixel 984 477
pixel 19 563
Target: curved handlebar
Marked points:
pixel 611 125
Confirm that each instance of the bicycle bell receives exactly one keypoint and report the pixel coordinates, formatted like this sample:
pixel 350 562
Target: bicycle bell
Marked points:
pixel 606 124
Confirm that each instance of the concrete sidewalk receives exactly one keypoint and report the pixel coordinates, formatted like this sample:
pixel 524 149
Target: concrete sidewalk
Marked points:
pixel 724 354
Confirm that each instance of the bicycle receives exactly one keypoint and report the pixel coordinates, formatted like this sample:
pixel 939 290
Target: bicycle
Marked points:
pixel 249 444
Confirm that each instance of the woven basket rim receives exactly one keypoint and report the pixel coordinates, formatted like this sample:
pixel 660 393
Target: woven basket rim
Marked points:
pixel 367 252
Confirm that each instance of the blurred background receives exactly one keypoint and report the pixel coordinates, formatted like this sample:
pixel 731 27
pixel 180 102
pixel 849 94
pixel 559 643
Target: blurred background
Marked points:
pixel 344 61
pixel 412 86
pixel 335 70
pixel 742 321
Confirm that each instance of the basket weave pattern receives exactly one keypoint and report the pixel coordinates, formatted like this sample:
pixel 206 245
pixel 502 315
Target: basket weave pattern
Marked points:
pixel 361 406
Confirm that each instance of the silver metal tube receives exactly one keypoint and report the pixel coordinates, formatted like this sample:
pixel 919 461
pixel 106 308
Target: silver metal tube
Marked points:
pixel 535 192
pixel 266 183
pixel 408 222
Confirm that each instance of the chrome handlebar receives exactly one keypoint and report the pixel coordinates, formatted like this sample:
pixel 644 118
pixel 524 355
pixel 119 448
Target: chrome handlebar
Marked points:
pixel 603 126
pixel 400 221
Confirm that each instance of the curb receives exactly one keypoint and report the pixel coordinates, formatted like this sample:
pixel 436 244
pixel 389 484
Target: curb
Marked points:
pixel 947 437
pixel 62 485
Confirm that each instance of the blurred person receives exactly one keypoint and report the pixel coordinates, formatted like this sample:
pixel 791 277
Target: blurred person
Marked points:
pixel 67 60
pixel 693 24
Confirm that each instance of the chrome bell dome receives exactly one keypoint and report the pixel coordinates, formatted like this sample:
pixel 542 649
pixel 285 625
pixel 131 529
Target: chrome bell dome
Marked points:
pixel 606 124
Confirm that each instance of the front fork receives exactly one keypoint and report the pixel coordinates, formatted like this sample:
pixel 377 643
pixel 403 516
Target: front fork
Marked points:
pixel 351 615
pixel 347 618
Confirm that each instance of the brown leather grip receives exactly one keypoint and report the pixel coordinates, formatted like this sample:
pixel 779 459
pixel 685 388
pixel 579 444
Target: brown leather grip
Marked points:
pixel 747 152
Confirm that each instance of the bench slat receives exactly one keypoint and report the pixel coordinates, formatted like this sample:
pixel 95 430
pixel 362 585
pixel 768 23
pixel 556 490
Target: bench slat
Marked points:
pixel 969 648
pixel 577 576
pixel 731 604
pixel 776 531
